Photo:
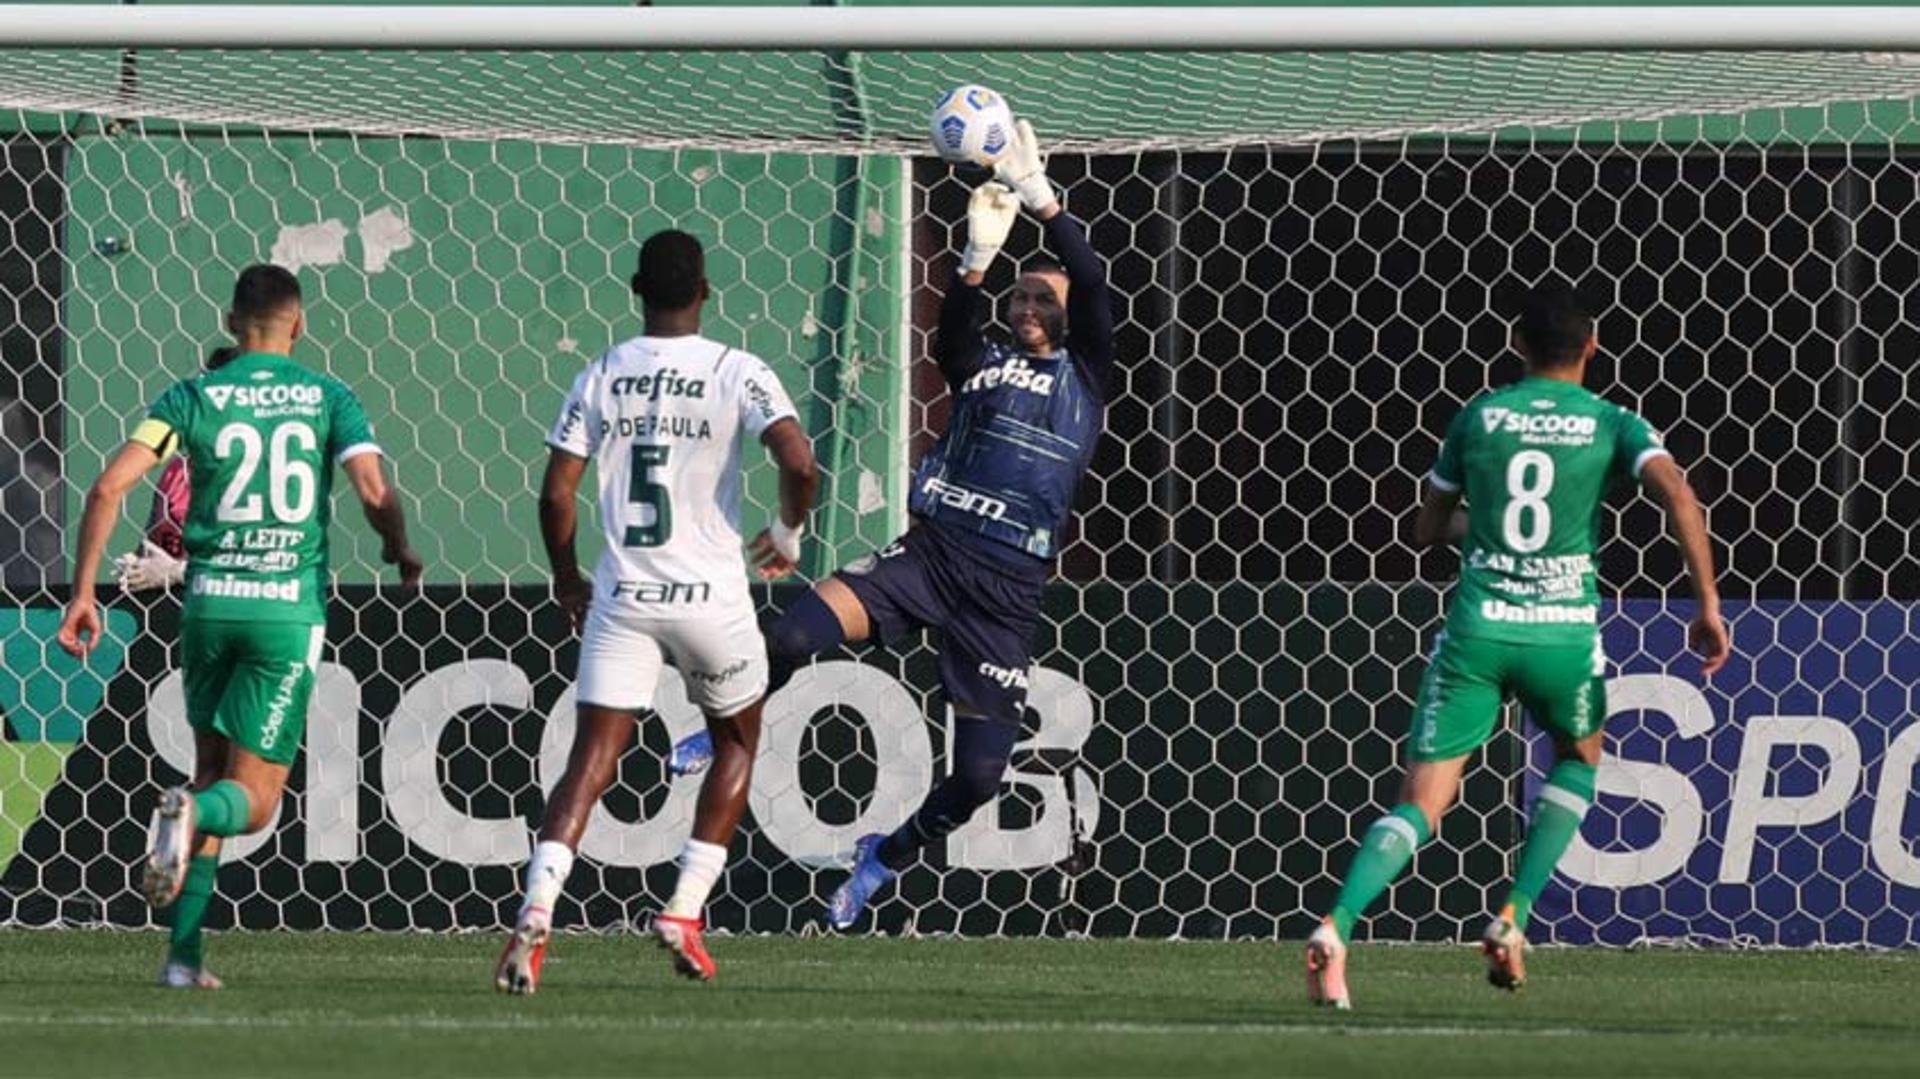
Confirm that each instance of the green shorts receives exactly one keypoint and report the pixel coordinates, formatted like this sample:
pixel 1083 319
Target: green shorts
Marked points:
pixel 1563 687
pixel 249 682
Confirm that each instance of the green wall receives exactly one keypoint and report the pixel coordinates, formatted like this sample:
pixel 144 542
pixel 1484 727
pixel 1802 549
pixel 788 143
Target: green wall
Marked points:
pixel 462 341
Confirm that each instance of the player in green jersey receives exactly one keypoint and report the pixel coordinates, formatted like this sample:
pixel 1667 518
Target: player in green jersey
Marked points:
pixel 1533 461
pixel 260 434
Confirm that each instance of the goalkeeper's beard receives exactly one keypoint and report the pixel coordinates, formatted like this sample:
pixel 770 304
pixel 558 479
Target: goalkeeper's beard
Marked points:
pixel 1029 329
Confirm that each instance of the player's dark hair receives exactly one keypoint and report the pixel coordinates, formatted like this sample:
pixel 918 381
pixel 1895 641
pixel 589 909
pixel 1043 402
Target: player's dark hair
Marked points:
pixel 1043 264
pixel 673 267
pixel 1553 326
pixel 264 290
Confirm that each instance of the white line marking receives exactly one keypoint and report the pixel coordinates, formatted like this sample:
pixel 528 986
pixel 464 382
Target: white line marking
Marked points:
pixel 628 1023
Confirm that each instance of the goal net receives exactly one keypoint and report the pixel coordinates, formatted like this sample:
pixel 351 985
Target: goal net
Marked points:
pixel 1311 252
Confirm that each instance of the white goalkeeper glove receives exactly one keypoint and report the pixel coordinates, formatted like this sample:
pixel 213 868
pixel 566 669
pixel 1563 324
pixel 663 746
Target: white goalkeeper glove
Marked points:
pixel 990 214
pixel 1023 169
pixel 150 568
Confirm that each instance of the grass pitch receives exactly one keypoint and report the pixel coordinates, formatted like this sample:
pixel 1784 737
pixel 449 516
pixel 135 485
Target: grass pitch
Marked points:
pixel 349 1005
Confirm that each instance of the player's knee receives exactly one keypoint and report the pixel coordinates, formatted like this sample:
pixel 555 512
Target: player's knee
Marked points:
pixel 788 643
pixel 982 748
pixel 977 780
pixel 1585 750
pixel 738 733
pixel 809 628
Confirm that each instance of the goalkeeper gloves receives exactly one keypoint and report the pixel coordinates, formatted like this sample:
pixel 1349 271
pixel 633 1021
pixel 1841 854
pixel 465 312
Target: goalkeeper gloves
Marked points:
pixel 990 215
pixel 1022 169
pixel 151 568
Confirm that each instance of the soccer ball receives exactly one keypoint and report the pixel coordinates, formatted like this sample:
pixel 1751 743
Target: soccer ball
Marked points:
pixel 972 125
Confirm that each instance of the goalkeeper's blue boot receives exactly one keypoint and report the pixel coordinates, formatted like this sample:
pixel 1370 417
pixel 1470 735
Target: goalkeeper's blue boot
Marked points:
pixel 869 876
pixel 691 754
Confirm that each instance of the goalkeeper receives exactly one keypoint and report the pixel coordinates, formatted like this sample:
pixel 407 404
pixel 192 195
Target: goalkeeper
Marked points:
pixel 990 501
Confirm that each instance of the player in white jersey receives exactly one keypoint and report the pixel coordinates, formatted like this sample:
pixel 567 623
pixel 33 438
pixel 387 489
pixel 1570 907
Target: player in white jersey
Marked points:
pixel 663 418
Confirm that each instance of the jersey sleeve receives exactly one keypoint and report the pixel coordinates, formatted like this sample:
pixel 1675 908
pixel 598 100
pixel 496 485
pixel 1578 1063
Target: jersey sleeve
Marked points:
pixel 763 401
pixel 166 422
pixel 350 434
pixel 574 432
pixel 1447 474
pixel 1089 302
pixel 1635 442
pixel 958 344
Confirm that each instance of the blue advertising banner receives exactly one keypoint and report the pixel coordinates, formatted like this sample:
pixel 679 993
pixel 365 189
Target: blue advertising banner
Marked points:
pixel 1774 805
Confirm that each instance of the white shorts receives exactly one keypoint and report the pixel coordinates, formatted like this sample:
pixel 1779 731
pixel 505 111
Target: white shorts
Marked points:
pixel 721 656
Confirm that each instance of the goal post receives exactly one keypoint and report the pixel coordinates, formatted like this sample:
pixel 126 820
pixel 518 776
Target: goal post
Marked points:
pixel 1313 218
pixel 909 27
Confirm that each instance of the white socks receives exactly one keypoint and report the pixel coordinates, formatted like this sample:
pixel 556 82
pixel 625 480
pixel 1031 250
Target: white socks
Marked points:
pixel 546 876
pixel 700 866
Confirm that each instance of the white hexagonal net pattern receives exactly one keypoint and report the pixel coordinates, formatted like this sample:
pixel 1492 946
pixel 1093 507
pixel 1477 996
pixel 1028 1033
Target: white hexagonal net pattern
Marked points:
pixel 1311 281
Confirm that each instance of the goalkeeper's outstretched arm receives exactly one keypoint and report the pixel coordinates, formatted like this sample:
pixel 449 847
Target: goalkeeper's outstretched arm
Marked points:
pixel 1089 302
pixel 959 346
pixel 957 343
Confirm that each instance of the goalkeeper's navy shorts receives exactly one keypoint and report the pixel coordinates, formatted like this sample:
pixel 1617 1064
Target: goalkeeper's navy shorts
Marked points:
pixel 984 612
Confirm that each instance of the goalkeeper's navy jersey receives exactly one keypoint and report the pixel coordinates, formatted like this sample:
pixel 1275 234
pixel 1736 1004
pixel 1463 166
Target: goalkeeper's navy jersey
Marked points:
pixel 1023 427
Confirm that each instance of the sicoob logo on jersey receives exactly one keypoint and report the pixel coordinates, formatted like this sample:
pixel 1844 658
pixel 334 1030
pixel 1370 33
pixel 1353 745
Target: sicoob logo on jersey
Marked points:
pixel 1549 428
pixel 263 396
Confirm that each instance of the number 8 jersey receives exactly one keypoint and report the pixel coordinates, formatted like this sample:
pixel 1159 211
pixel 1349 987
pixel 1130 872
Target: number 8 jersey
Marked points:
pixel 1535 461
pixel 663 420
pixel 261 435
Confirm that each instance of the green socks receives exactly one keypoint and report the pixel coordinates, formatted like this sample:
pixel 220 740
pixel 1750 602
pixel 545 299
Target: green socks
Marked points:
pixel 1557 814
pixel 222 809
pixel 1384 851
pixel 1389 845
pixel 185 945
